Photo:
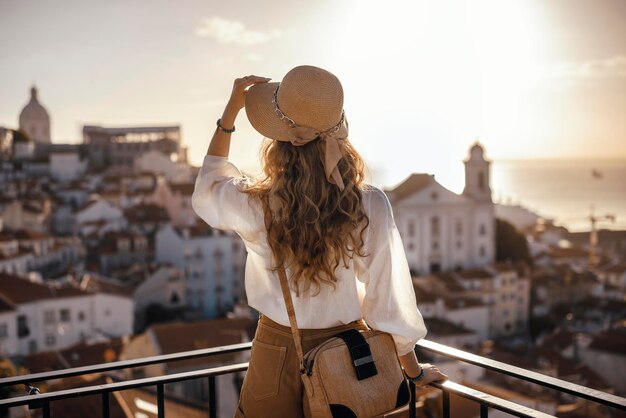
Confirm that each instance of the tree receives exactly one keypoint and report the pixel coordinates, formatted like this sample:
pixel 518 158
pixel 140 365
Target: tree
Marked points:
pixel 511 245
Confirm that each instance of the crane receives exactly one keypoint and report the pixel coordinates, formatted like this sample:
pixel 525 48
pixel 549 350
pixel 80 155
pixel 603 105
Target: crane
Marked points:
pixel 593 235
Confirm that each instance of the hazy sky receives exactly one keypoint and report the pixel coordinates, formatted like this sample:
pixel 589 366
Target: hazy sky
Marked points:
pixel 423 79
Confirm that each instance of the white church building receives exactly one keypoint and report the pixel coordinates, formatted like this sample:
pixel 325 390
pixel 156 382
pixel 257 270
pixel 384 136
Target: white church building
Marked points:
pixel 442 230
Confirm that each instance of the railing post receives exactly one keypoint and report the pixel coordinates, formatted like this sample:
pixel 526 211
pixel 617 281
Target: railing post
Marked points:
pixel 46 409
pixel 446 403
pixel 412 400
pixel 212 397
pixel 160 401
pixel 105 404
pixel 484 410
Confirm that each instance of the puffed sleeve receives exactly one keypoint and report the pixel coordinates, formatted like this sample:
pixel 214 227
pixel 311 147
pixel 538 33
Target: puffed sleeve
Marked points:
pixel 218 197
pixel 389 303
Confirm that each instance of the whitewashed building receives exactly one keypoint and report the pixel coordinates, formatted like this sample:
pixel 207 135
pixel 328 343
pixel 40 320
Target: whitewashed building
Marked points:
pixel 99 216
pixel 436 300
pixel 112 306
pixel 51 318
pixel 67 166
pixel 13 259
pixel 492 301
pixel 8 330
pixel 156 162
pixel 442 230
pixel 212 262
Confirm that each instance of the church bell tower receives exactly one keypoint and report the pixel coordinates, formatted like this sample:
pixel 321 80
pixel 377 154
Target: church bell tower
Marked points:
pixel 477 178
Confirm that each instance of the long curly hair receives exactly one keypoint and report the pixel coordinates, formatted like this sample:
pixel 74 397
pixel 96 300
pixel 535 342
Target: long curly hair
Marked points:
pixel 312 225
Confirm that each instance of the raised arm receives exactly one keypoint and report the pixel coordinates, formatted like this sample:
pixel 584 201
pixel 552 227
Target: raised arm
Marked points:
pixel 220 143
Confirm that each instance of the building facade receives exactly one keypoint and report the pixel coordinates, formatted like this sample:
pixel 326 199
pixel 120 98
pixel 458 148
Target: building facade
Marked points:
pixel 212 263
pixel 120 146
pixel 442 230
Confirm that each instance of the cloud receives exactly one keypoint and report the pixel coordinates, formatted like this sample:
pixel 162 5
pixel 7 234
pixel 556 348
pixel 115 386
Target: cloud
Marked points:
pixel 233 32
pixel 253 56
pixel 613 67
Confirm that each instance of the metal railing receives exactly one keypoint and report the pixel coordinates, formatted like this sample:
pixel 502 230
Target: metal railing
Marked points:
pixel 35 399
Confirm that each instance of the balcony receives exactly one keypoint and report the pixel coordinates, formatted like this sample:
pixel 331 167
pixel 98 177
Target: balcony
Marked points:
pixel 613 405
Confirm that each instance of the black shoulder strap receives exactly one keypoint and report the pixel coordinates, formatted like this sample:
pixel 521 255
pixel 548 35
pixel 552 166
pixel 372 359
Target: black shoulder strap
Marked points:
pixel 360 353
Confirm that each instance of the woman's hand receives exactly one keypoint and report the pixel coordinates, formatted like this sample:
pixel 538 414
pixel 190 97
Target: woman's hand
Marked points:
pixel 238 95
pixel 431 374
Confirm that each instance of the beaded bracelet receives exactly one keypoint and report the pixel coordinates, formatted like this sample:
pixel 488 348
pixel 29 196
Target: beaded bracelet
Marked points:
pixel 228 131
pixel 416 378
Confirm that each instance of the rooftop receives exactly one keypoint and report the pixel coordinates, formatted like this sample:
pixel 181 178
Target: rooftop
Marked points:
pixel 20 290
pixel 411 185
pixel 178 336
pixel 443 327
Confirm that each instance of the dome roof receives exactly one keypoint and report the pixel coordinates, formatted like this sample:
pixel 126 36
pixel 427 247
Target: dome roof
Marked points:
pixel 34 110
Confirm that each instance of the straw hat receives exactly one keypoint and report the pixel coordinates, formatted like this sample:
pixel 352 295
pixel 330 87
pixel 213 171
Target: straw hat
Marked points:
pixel 307 105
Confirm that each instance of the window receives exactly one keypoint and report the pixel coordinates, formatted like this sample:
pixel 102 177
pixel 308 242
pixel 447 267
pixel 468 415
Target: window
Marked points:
pixel 22 326
pixel 434 225
pixel 483 230
pixel 140 243
pixel 482 251
pixel 48 317
pixel 459 227
pixel 458 245
pixel 411 231
pixel 4 331
pixel 123 244
pixel 81 316
pixel 174 298
pixel 50 340
pixel 65 315
pixel 481 180
pixel 410 246
pixel 435 245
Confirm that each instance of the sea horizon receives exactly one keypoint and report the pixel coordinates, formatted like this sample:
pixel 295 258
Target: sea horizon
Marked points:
pixel 564 189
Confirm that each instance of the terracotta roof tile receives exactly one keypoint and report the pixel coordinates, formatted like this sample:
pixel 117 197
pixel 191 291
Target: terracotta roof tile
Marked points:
pixel 175 337
pixel 477 273
pixel 20 290
pixel 183 188
pixel 411 185
pixel 146 212
pixel 618 269
pixel 6 305
pixel 439 326
pixel 612 341
pixel 463 303
pixel 450 282
pixel 94 284
pixel 423 296
pixel 559 340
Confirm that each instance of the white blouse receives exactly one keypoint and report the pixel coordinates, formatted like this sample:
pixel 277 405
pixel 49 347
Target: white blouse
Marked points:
pixel 377 288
